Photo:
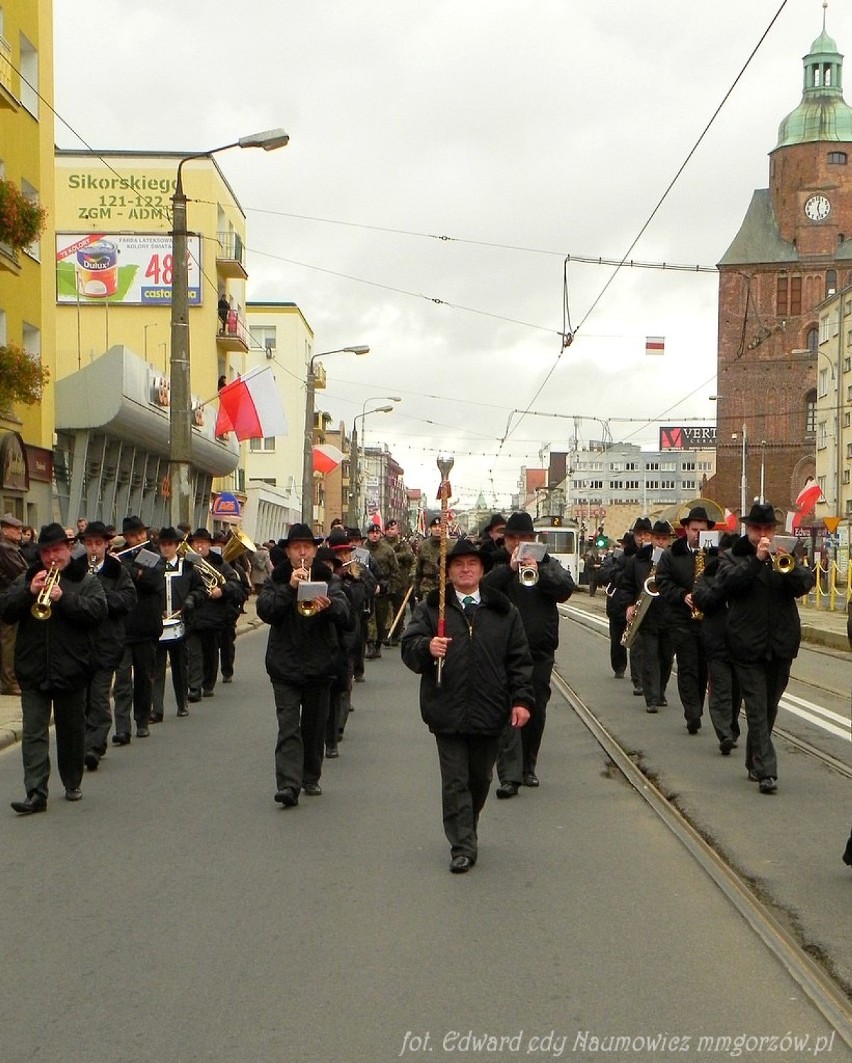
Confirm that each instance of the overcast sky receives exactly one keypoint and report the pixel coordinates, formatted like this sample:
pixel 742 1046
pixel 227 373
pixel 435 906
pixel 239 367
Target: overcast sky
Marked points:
pixel 524 132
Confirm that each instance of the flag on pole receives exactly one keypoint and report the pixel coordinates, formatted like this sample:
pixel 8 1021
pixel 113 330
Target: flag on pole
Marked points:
pixel 806 501
pixel 655 345
pixel 251 407
pixel 326 458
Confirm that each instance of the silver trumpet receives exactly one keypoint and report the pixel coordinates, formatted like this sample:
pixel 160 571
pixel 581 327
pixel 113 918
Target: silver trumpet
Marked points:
pixel 528 575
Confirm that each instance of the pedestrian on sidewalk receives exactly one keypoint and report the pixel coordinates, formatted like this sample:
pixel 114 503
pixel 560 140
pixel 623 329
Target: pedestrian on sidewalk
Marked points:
pixel 486 683
pixel 54 657
pixel 12 564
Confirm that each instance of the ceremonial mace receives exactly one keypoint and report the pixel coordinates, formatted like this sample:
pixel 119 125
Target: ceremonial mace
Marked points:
pixel 445 463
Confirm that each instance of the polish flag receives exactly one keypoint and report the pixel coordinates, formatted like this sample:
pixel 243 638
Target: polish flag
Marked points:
pixel 251 407
pixel 655 345
pixel 730 523
pixel 326 458
pixel 806 501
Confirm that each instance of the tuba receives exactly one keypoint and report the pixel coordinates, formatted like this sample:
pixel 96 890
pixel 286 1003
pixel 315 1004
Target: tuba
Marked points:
pixel 237 545
pixel 41 607
pixel 210 575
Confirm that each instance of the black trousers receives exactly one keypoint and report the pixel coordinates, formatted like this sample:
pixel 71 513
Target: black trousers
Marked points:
pixel 69 717
pixel 228 648
pixel 617 652
pixel 762 684
pixel 98 711
pixel 359 656
pixel 302 711
pixel 134 685
pixel 657 657
pixel 691 669
pixel 175 650
pixel 724 698
pixel 202 649
pixel 467 765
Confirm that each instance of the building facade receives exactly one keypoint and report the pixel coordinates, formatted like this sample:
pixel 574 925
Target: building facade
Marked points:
pixel 792 251
pixel 833 408
pixel 112 294
pixel 26 274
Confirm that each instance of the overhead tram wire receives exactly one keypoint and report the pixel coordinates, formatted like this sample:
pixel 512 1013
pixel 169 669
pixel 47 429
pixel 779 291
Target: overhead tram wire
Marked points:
pixel 656 209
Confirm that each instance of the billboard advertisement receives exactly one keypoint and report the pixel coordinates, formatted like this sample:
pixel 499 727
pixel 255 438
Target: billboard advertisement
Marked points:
pixel 130 269
pixel 688 438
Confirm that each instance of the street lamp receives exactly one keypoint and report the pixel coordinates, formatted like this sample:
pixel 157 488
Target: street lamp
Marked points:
pixel 308 451
pixel 355 498
pixel 180 414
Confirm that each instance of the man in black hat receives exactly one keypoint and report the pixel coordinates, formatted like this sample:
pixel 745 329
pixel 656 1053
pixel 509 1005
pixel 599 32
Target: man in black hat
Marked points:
pixel 386 566
pixel 399 585
pixel 491 536
pixel 518 755
pixel 183 593
pixel 356 542
pixel 764 632
pixel 58 606
pixel 109 647
pixel 304 640
pixel 653 634
pixel 427 567
pixel 679 568
pixel 133 689
pixel 486 684
pixel 641 532
pixel 214 616
pixel 12 564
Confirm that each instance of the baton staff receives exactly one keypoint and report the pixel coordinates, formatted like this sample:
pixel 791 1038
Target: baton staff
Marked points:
pixel 445 464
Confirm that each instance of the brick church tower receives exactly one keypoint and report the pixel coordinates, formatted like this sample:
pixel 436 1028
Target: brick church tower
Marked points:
pixel 794 248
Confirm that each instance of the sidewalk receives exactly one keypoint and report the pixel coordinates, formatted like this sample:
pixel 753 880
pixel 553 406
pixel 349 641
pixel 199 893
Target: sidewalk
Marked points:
pixel 10 707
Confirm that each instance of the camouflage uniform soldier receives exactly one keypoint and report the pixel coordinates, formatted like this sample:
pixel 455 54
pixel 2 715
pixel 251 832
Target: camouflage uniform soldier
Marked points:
pixel 427 569
pixel 384 559
pixel 400 585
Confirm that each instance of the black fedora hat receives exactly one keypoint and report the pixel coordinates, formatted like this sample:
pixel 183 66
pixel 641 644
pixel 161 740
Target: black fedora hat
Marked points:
pixel 132 524
pixel 520 523
pixel 642 524
pixel 301 533
pixel 354 532
pixel 760 513
pixel 468 548
pixel 662 527
pixel 202 533
pixel 54 533
pixel 497 521
pixel 96 529
pixel 697 513
pixel 169 535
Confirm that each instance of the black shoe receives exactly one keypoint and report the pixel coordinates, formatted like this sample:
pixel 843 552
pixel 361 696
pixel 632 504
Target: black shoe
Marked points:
pixel 693 726
pixel 208 694
pixel 287 797
pixel 92 760
pixel 143 732
pixel 507 789
pixel 752 775
pixel 530 778
pixel 725 746
pixel 227 679
pixel 121 739
pixel 360 678
pixel 194 695
pixel 331 752
pixel 460 864
pixel 637 690
pixel 618 675
pixel 312 789
pixel 183 710
pixel 73 794
pixel 156 718
pixel 652 708
pixel 34 803
pixel 386 642
pixel 662 702
pixel 768 785
pixel 847 856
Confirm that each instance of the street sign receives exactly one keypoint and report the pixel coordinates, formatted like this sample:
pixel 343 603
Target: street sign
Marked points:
pixel 831 523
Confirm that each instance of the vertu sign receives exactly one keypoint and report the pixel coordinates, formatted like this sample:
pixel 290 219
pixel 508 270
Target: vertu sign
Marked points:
pixel 687 438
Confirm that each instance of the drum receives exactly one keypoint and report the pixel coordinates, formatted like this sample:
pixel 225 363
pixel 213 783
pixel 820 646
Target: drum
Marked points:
pixel 173 630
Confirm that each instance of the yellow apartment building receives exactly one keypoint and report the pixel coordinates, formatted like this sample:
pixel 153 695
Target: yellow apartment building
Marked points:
pixel 26 276
pixel 112 291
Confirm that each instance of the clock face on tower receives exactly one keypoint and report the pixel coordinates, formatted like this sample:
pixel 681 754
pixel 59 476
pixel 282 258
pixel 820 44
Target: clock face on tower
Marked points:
pixel 817 208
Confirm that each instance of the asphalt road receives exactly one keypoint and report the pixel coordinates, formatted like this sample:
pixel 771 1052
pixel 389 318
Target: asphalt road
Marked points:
pixel 177 914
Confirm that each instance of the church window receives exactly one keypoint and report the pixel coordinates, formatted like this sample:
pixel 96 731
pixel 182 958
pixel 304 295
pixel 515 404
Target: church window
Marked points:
pixel 795 296
pixel 837 158
pixel 810 412
pixel 781 297
pixel 830 281
pixel 813 339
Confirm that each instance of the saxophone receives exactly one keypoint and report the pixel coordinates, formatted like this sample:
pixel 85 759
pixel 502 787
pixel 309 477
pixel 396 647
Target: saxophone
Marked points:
pixel 700 561
pixel 642 604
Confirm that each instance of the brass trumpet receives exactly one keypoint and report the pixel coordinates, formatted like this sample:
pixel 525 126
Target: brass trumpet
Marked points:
pixel 783 559
pixel 41 607
pixel 306 608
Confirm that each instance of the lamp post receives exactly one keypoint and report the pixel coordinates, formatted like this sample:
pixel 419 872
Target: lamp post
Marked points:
pixel 355 500
pixel 308 453
pixel 180 414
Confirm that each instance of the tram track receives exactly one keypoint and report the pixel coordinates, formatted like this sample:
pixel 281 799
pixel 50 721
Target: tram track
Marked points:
pixel 821 989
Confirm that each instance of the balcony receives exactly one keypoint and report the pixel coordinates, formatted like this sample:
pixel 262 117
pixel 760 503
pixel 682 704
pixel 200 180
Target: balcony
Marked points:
pixel 8 102
pixel 233 335
pixel 230 256
pixel 9 262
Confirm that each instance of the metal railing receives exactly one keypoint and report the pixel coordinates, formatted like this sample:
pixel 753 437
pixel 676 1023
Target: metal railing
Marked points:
pixel 6 65
pixel 833 587
pixel 231 247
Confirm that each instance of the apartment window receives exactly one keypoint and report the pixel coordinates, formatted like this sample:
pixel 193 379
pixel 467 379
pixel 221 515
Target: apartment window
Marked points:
pixel 781 297
pixel 822 484
pixel 846 476
pixel 632 485
pixel 617 466
pixel 837 158
pixel 616 485
pixel 264 336
pixel 822 391
pixel 688 466
pixel 689 485
pixel 705 466
pixel 653 485
pixel 847 420
pixel 595 485
pixel 667 485
pixel 824 326
pixel 31 339
pixel 822 435
pixel 29 76
pixel 668 466
pixel 849 450
pixel 266 444
pixel 653 466
pixel 631 466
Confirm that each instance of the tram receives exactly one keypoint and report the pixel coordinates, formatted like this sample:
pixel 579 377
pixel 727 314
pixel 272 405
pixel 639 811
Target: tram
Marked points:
pixel 562 538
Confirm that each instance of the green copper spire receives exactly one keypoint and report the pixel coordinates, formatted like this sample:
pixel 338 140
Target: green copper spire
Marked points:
pixel 823 115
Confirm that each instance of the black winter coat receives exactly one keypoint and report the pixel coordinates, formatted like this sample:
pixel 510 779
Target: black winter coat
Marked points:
pixel 145 621
pixel 763 617
pixel 675 579
pixel 57 653
pixel 121 600
pixel 215 614
pixel 610 575
pixel 302 649
pixel 537 604
pixel 710 599
pixel 636 571
pixel 487 669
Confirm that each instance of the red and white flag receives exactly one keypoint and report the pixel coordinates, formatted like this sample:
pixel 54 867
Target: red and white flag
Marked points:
pixel 655 345
pixel 806 501
pixel 326 457
pixel 251 407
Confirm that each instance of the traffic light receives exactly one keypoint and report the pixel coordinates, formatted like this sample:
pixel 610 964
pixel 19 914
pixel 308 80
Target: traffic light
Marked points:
pixel 601 541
